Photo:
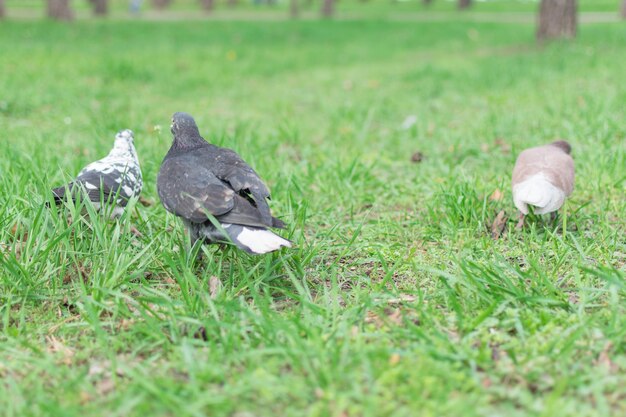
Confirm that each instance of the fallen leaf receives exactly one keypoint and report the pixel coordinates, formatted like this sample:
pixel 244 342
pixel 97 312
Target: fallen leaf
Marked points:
pixel 395 316
pixel 417 157
pixel 605 360
pixel 394 359
pixel 505 148
pixel 98 368
pixel 215 285
pixel 105 386
pixel 372 317
pixel 573 298
pixel 85 397
pixel 354 331
pixel 146 202
pixel 135 232
pixel 58 347
pixel 498 225
pixel 497 195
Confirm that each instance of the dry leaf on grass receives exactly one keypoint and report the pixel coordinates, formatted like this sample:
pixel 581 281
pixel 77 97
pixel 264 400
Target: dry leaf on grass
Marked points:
pixel 417 157
pixel 146 202
pixel 136 232
pixel 391 315
pixel 58 347
pixel 604 358
pixel 497 195
pixel 215 285
pixel 102 376
pixel 505 148
pixel 498 225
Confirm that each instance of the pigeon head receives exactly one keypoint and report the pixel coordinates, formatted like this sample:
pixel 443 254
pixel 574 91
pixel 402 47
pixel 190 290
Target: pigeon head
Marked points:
pixel 123 144
pixel 185 131
pixel 563 145
pixel 184 124
pixel 124 137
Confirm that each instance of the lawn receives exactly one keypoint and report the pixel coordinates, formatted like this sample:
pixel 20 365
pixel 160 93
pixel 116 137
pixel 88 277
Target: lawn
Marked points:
pixel 396 300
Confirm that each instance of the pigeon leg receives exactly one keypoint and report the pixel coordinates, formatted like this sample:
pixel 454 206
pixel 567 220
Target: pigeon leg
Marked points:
pixel 554 216
pixel 520 223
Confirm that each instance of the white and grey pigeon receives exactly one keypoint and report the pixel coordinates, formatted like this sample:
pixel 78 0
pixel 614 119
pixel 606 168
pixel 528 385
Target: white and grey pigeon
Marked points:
pixel 543 177
pixel 113 179
pixel 198 180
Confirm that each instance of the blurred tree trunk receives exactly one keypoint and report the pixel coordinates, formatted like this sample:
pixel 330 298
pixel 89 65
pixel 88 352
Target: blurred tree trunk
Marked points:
pixel 464 4
pixel 624 9
pixel 100 7
pixel 427 2
pixel 207 5
pixel 557 19
pixel 161 4
pixel 294 11
pixel 2 9
pixel 59 10
pixel 328 8
pixel 233 3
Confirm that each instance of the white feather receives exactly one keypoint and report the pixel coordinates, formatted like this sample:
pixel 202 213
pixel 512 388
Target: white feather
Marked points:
pixel 537 191
pixel 261 241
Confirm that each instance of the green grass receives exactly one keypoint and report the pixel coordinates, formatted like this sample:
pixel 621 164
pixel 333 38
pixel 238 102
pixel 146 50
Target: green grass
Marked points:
pixel 395 301
pixel 372 8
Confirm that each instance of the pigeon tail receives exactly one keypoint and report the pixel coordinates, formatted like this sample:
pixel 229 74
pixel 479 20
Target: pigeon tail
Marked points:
pixel 255 240
pixel 537 191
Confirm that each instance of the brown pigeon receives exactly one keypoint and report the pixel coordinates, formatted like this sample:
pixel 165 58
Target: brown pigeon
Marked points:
pixel 543 177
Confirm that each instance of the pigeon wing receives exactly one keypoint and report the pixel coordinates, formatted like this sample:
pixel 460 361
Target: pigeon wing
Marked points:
pixel 243 179
pixel 97 188
pixel 245 213
pixel 190 190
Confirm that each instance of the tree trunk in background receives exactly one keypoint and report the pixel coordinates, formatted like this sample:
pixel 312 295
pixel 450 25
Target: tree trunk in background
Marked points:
pixel 427 2
pixel 294 11
pixel 207 5
pixel 624 9
pixel 161 4
pixel 464 4
pixel 557 19
pixel 328 8
pixel 59 10
pixel 2 9
pixel 233 3
pixel 100 7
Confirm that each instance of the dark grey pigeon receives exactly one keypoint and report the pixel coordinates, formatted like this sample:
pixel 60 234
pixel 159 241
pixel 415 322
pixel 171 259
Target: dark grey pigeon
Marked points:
pixel 198 179
pixel 113 179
